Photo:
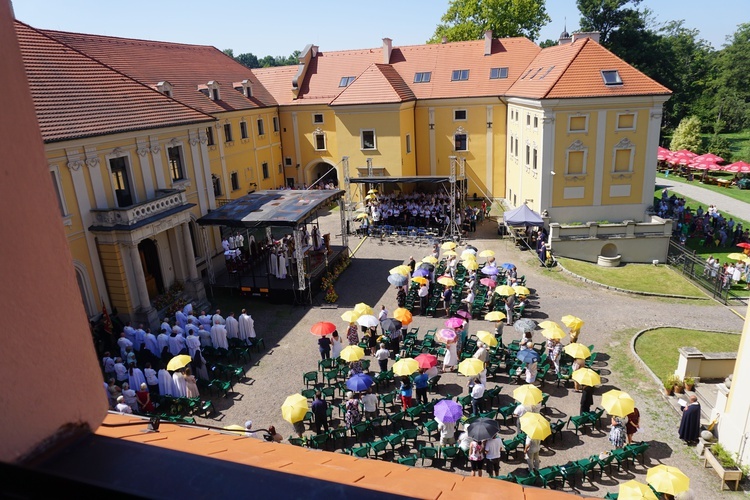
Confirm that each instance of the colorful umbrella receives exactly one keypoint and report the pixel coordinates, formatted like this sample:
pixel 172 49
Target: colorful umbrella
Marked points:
pixel 372 191
pixel 535 426
pixel 618 403
pixel 468 252
pixel 294 408
pixel 368 320
pixel 350 316
pixel 662 154
pixel 487 338
pixel 508 266
pixel 235 429
pixel 490 270
pixel 178 362
pixel 527 356
pixel 666 479
pixel 363 308
pixel 454 323
pixel 738 166
pixel 710 158
pixel 524 325
pixel 361 216
pixel 521 290
pixel 468 257
pixel 402 269
pixel 449 253
pixel 577 350
pixel 494 316
pixel 743 245
pixel 505 291
pixel 483 429
pixel 405 367
pixel 430 260
pixel 421 280
pixel 323 328
pixel 737 256
pixel 446 336
pixel 421 273
pixel 528 395
pixel 427 266
pixel 352 353
pixel 554 333
pixel 471 367
pixel 572 322
pixel 359 382
pixel 549 324
pixel 488 282
pixel 446 280
pixel 448 245
pixel 462 313
pixel 587 376
pixel 633 490
pixel 398 279
pixel 447 410
pixel 471 265
pixel 426 360
pixel 403 315
pixel 486 253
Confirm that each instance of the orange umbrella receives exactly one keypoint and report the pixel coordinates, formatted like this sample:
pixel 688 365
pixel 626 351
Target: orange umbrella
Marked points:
pixel 403 315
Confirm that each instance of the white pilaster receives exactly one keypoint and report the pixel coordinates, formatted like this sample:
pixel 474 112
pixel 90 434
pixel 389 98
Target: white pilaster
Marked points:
pixel 155 149
pixel 140 277
pixel 297 154
pixel 433 151
pixel 548 161
pixel 198 175
pixel 145 166
pixel 226 186
pixel 489 163
pixel 652 144
pixel 95 174
pixel 187 244
pixel 207 170
pixel 601 136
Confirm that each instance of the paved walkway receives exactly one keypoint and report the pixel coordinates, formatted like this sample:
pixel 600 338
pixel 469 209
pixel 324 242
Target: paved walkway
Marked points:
pixel 723 202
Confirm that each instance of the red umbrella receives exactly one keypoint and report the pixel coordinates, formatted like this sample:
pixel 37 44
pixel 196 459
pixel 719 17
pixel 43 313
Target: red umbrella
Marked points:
pixel 699 166
pixel 662 154
pixel 426 360
pixel 738 166
pixel 323 328
pixel 743 245
pixel 710 157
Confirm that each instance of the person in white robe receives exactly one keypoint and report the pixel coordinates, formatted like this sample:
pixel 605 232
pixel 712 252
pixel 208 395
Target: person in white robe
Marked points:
pixel 123 343
pixel 218 317
pixel 121 372
pixel 193 344
pixel 181 319
pixel 140 338
pixel 273 263
pixel 225 244
pixel 219 336
pixel 180 387
pixel 282 267
pixel 193 319
pixel 129 332
pixel 190 327
pixel 152 381
pixel 205 337
pixel 188 309
pixel 166 384
pixel 135 376
pixel 205 320
pixel 165 326
pixel 121 406
pixel 130 398
pixel 232 326
pixel 176 344
pixel 162 341
pixel 178 329
pixel 247 326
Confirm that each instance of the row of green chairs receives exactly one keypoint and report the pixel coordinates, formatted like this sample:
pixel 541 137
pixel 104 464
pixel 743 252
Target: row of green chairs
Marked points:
pixel 592 418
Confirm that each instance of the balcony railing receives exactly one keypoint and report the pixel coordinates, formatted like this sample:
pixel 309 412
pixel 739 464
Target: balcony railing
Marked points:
pixel 164 200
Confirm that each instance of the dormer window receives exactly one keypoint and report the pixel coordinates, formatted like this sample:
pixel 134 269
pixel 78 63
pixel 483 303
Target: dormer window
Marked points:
pixel 611 77
pixel 213 90
pixel 459 75
pixel 165 88
pixel 346 81
pixel 245 87
pixel 497 73
pixel 423 77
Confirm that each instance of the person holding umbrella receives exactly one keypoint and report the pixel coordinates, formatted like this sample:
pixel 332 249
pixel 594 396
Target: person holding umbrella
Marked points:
pixel 406 392
pixel 423 294
pixel 324 346
pixel 420 385
pixel 532 453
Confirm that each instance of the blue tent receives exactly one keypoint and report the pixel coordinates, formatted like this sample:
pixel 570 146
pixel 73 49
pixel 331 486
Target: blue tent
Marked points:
pixel 523 216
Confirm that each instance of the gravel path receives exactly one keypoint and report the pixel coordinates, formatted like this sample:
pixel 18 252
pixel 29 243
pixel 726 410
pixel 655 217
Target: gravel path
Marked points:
pixel 611 319
pixel 707 197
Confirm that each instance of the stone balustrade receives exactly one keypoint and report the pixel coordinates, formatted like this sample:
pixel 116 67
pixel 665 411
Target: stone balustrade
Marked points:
pixel 164 200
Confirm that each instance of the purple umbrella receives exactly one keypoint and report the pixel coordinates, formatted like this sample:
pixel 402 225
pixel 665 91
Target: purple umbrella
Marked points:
pixel 421 272
pixel 490 270
pixel 448 410
pixel 463 314
pixel 454 323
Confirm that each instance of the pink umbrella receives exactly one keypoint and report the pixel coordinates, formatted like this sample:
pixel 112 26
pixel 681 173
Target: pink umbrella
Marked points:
pixel 463 314
pixel 710 157
pixel 699 166
pixel 662 154
pixel 446 335
pixel 738 166
pixel 454 323
pixel 681 157
pixel 488 282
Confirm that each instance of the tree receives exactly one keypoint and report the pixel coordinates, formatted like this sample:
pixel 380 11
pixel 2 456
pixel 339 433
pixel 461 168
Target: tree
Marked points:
pixel 729 95
pixel 548 43
pixel 687 135
pixel 469 19
pixel 249 59
pixel 720 146
pixel 607 16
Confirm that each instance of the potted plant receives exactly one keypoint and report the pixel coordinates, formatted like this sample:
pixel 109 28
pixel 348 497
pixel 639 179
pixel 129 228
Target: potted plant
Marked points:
pixel 677 385
pixel 668 386
pixel 723 463
pixel 689 383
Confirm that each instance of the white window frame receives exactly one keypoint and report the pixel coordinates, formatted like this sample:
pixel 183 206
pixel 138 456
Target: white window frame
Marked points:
pixel 131 181
pixel 465 134
pixel 536 122
pixel 243 130
pixel 623 145
pixel 422 76
pixel 362 139
pixel 57 181
pixel 585 128
pixel 528 155
pixel 408 143
pixel 183 161
pixel 501 72
pixel 528 119
pixel 616 72
pixel 316 134
pixel 628 129
pixel 576 147
pixel 455 117
pixel 457 75
pixel 288 161
pixel 230 136
pixel 322 118
pixel 534 157
pixel 516 139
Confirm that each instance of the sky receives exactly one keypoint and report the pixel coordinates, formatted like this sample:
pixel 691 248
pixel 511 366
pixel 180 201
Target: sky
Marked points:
pixel 280 27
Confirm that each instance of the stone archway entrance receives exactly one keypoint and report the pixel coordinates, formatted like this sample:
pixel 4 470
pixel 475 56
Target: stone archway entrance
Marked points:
pixel 324 171
pixel 151 267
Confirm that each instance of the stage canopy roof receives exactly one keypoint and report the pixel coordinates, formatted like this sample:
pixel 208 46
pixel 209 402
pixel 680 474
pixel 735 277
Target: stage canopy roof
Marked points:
pixel 286 207
pixel 391 180
pixel 523 216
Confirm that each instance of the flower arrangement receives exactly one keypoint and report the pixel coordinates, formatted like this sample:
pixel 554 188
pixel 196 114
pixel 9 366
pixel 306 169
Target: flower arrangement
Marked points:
pixel 330 277
pixel 172 298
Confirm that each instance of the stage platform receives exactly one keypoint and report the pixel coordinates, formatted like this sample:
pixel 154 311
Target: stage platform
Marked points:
pixel 257 281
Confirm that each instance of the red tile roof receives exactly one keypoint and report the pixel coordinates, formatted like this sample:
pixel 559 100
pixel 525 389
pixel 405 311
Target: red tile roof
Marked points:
pixel 574 70
pixel 379 84
pixel 76 96
pixel 184 66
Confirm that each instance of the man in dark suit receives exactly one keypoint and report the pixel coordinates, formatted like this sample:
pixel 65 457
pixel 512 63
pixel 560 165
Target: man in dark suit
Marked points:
pixel 690 425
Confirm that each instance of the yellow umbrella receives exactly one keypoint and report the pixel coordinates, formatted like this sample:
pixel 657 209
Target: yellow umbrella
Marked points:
pixel 363 309
pixel 469 254
pixel 350 316
pixel 449 253
pixel 487 338
pixel 587 376
pixel 446 280
pixel 405 366
pixel 577 350
pixel 572 322
pixel 535 426
pixel 420 279
pixel 178 362
pixel 430 260
pixel 235 429
pixel 372 191
pixel 403 315
pixel 370 197
pixel 448 245
pixel 495 316
pixel 618 403
pixel 471 367
pixel 521 290
pixel 554 333
pixel 471 265
pixel 486 253
pixel 361 216
pixel 505 290
pixel 352 353
pixel 666 479
pixel 633 490
pixel 294 408
pixel 402 269
pixel 548 324
pixel 528 395
pixel 737 256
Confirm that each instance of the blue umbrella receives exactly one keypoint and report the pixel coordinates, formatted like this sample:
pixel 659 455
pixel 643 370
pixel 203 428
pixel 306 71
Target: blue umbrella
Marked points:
pixel 421 272
pixel 508 265
pixel 448 410
pixel 359 382
pixel 398 279
pixel 490 270
pixel 528 356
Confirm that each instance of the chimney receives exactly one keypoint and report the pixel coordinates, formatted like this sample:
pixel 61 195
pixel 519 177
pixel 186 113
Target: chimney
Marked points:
pixel 444 39
pixel 594 35
pixel 387 48
pixel 488 42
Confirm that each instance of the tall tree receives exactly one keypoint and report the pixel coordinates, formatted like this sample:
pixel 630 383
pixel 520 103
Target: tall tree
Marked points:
pixel 607 16
pixel 469 19
pixel 730 95
pixel 687 135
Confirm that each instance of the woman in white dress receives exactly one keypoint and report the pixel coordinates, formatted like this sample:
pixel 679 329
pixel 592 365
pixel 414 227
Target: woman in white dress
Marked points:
pixel 166 384
pixel 451 357
pixel 180 384
pixel 191 386
pixel 336 345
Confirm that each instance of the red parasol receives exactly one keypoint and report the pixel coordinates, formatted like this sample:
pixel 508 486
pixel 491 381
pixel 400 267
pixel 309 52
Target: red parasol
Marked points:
pixel 743 245
pixel 738 167
pixel 662 154
pixel 323 328
pixel 426 360
pixel 709 157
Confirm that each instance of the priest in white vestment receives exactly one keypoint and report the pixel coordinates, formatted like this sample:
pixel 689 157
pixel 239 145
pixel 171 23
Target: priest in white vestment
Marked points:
pixel 181 319
pixel 282 267
pixel 205 337
pixel 218 317
pixel 232 326
pixel 166 384
pixel 219 336
pixel 180 386
pixel 205 320
pixel 247 326
pixel 193 343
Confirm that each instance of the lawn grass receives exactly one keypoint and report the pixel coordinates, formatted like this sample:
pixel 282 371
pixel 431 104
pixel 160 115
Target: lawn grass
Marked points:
pixel 732 192
pixel 636 277
pixel 658 348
